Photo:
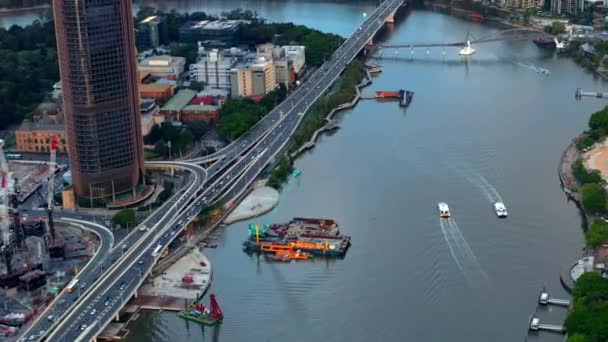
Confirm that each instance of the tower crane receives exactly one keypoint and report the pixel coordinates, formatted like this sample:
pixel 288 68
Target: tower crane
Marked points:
pixel 4 209
pixel 51 185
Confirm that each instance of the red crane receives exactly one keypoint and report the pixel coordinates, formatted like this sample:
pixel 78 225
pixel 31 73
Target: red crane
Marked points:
pixel 216 312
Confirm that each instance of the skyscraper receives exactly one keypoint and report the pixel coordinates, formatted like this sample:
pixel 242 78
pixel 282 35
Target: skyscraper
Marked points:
pixel 98 67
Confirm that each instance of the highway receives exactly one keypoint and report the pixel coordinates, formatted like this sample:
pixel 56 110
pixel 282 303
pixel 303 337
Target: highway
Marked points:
pixel 245 158
pixel 98 266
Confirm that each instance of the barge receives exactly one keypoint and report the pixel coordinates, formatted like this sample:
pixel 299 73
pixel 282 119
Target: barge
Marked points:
pixel 300 239
pixel 203 315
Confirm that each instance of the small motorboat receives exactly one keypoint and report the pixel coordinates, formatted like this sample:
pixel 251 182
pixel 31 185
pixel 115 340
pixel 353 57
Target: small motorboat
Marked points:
pixel 500 209
pixel 444 210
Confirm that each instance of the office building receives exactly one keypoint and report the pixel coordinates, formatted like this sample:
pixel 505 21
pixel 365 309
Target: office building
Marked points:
pixel 216 32
pixel 163 66
pixel 151 33
pixel 213 69
pixel 526 4
pixel 98 68
pixel 254 77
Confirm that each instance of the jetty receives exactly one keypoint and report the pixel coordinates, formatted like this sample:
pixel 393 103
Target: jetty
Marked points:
pixel 581 93
pixel 545 299
pixel 537 325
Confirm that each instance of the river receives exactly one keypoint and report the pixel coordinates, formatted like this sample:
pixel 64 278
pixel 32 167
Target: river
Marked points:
pixel 477 131
pixel 491 128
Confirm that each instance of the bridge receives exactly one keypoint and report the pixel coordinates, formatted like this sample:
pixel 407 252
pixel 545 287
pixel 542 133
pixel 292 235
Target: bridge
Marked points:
pixel 511 35
pixel 103 294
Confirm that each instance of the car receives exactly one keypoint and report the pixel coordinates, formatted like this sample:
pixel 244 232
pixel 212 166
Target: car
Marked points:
pixel 82 326
pixel 143 228
pixel 93 312
pixel 107 302
pixel 124 246
pixel 51 317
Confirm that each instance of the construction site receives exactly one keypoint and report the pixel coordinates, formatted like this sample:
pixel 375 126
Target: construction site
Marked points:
pixel 34 259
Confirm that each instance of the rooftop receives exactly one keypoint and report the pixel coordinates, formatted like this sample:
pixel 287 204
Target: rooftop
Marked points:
pixel 213 25
pixel 180 100
pixel 162 61
pixel 201 107
pixel 150 19
pixel 154 87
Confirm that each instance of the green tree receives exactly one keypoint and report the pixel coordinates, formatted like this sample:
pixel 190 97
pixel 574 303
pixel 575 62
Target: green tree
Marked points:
pixel 124 218
pixel 597 233
pixel 594 197
pixel 589 313
pixel 583 176
pixel 577 338
pixel 558 27
pixel 198 129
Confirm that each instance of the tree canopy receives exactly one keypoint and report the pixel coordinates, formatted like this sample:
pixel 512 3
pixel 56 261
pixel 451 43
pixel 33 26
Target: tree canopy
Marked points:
pixel 594 197
pixel 124 218
pixel 237 116
pixel 597 233
pixel 589 314
pixel 29 69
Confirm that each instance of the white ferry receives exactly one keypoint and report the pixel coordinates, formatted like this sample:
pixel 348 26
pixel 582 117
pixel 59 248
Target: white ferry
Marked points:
pixel 444 210
pixel 500 209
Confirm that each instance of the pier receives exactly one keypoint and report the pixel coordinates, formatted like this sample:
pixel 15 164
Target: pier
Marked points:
pixel 581 93
pixel 544 299
pixel 536 325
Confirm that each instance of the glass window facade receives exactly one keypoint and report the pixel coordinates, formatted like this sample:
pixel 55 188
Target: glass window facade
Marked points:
pixel 96 46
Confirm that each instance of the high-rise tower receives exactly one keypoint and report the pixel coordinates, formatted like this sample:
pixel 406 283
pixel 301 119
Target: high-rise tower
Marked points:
pixel 98 66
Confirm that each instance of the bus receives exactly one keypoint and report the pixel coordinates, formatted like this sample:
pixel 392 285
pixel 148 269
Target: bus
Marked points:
pixel 156 250
pixel 72 285
pixel 13 156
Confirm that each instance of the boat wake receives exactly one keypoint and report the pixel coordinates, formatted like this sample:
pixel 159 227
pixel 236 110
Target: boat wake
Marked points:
pixel 479 181
pixel 532 67
pixel 461 251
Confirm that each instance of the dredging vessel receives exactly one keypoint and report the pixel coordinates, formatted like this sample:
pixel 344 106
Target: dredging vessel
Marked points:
pixel 300 239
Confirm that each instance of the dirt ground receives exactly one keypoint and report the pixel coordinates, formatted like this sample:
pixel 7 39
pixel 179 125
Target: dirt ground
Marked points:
pixel 597 159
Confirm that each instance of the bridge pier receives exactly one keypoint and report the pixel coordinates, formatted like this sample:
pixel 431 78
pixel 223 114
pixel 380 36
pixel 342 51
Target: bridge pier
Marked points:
pixel 117 317
pixel 391 17
pixel 135 294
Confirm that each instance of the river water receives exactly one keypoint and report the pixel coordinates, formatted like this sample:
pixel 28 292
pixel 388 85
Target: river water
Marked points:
pixel 488 129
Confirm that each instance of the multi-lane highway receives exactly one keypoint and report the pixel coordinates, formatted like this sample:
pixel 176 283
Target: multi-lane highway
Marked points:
pixel 103 262
pixel 236 167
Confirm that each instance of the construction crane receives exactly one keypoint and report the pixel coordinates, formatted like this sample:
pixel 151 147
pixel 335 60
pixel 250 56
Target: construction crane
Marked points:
pixel 51 186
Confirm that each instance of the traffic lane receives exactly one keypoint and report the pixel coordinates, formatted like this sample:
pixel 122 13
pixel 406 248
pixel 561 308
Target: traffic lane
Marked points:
pixel 87 279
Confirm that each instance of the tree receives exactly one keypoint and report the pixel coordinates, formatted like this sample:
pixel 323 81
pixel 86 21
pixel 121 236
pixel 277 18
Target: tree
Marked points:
pixel 558 27
pixel 583 176
pixel 124 218
pixel 577 338
pixel 597 233
pixel 589 314
pixel 594 197
pixel 198 129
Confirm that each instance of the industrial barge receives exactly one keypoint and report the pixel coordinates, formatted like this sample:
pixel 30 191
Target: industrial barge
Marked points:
pixel 203 315
pixel 299 239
